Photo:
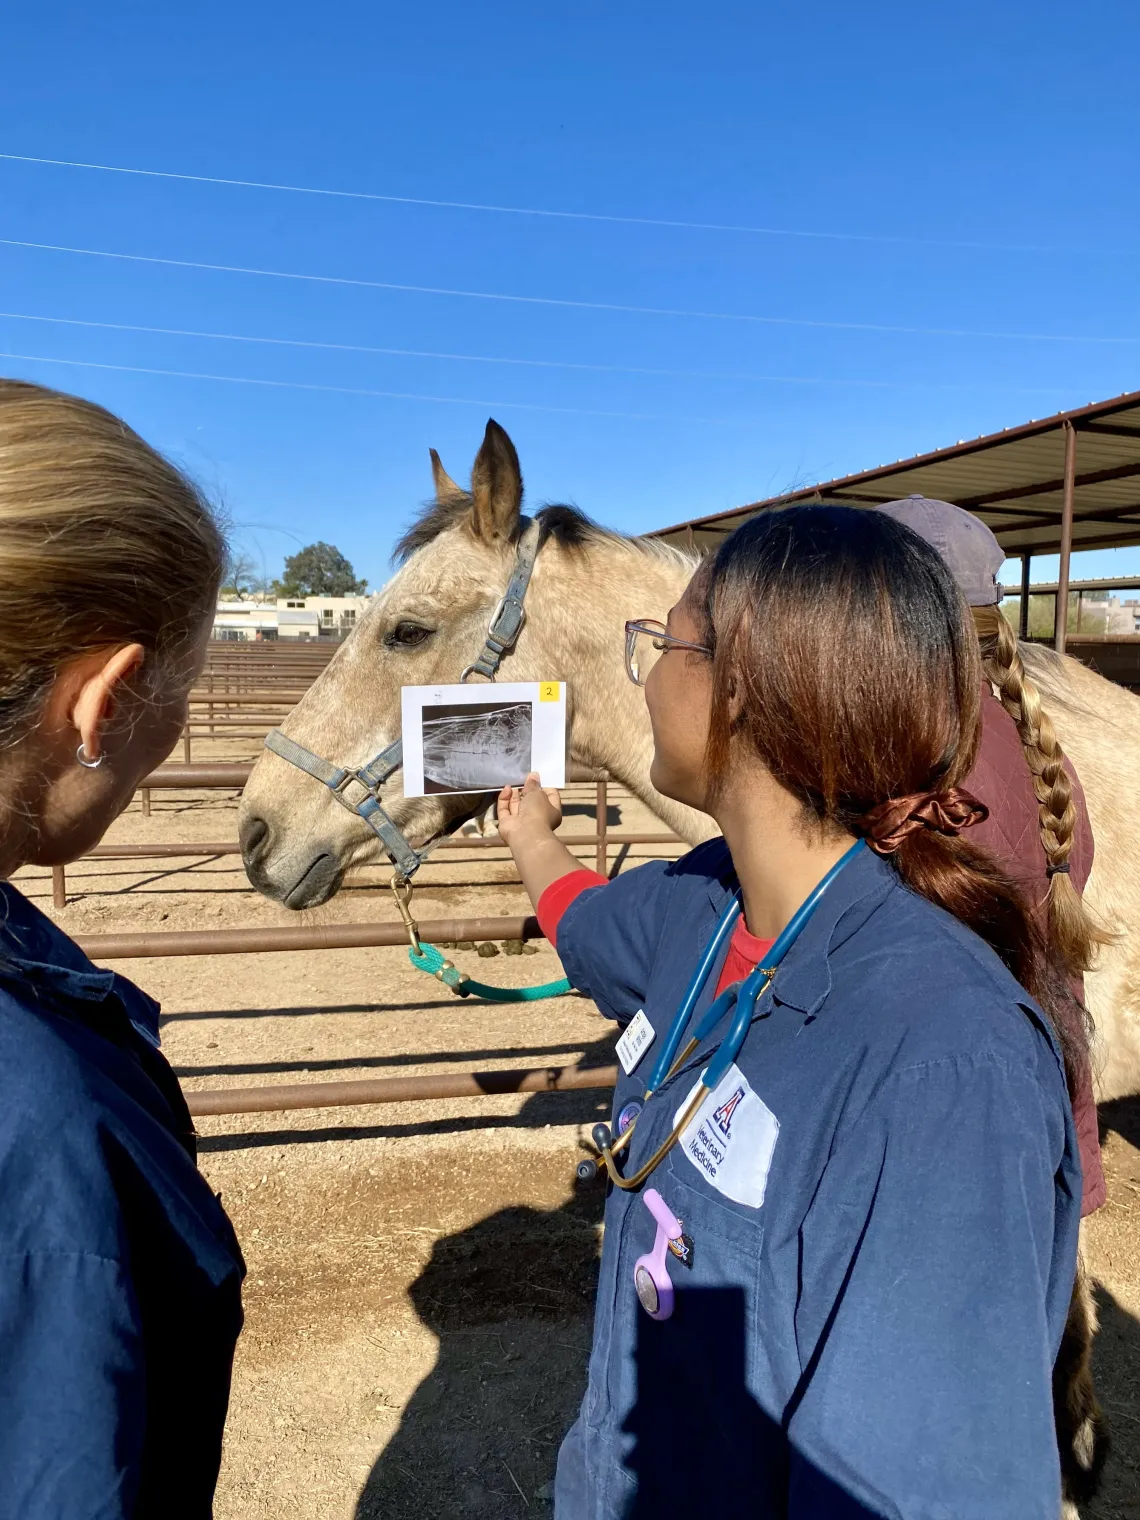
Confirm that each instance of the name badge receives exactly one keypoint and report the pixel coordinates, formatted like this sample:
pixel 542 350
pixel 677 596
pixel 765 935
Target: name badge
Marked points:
pixel 636 1040
pixel 731 1138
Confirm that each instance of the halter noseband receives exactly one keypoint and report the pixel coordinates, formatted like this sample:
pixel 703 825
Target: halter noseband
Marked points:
pixel 502 634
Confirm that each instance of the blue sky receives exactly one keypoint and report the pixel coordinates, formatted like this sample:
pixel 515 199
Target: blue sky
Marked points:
pixel 965 173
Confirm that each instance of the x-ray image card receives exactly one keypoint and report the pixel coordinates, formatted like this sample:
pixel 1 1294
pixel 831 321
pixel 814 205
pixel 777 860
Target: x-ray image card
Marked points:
pixel 481 738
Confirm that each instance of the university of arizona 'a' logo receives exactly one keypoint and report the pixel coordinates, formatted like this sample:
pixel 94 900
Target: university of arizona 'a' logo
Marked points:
pixel 723 1115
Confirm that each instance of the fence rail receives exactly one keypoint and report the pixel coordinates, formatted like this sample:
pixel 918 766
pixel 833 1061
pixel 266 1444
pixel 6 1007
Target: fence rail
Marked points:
pixel 226 777
pixel 460 1084
pixel 119 947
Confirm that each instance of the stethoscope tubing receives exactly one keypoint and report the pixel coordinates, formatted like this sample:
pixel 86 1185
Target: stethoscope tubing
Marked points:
pixel 744 995
pixel 663 1065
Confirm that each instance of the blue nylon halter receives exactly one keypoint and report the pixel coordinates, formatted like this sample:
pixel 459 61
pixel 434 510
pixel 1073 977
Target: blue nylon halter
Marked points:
pixel 502 634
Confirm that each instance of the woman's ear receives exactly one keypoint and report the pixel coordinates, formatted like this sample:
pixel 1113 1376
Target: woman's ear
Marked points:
pixel 96 687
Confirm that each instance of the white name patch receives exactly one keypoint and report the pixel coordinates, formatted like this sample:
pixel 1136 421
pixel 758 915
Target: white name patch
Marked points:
pixel 636 1040
pixel 731 1138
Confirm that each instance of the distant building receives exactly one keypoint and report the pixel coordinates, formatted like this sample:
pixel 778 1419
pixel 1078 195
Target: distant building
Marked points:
pixel 237 618
pixel 300 617
pixel 1122 617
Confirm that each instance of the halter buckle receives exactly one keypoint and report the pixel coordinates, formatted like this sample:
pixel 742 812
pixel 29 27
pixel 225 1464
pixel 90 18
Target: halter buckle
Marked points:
pixel 340 790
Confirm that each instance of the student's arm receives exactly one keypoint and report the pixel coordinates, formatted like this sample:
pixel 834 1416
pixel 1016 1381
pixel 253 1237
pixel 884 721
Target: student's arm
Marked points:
pixel 606 933
pixel 527 817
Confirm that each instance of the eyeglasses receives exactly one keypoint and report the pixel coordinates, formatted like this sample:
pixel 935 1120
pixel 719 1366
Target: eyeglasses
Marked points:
pixel 645 641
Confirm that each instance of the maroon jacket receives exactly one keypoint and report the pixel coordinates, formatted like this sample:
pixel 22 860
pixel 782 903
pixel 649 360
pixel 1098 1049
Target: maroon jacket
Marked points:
pixel 1001 779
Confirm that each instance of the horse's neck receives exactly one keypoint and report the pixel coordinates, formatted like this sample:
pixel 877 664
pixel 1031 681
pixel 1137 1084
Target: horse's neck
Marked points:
pixel 582 603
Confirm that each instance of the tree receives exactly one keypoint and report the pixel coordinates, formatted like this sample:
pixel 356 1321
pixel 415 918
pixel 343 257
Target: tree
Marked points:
pixel 240 577
pixel 319 570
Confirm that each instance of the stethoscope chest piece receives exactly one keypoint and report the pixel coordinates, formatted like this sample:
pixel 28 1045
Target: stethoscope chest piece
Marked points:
pixel 650 1274
pixel 647 1292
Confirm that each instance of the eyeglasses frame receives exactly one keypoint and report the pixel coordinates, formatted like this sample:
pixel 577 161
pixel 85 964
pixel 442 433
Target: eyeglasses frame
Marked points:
pixel 654 629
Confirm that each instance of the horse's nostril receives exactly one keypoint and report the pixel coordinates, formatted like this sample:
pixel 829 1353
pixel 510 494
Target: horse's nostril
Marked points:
pixel 252 835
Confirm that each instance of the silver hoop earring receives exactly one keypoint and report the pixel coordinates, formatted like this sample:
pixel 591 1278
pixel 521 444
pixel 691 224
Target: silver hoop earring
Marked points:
pixel 88 765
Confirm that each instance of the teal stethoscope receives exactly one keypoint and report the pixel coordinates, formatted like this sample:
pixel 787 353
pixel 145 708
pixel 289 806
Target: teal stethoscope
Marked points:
pixel 744 995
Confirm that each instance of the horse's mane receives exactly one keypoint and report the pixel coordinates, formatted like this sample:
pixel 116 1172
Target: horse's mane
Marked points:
pixel 1049 673
pixel 558 523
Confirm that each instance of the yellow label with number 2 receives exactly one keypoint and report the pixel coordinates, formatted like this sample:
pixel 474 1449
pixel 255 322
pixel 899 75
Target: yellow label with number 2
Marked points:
pixel 549 691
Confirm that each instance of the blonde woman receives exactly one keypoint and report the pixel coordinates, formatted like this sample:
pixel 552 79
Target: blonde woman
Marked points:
pixel 120 1278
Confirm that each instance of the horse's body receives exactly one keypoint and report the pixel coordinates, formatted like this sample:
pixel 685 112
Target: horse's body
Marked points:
pixel 430 621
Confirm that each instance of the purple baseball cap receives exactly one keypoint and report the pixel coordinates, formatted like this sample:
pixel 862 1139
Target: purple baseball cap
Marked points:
pixel 972 554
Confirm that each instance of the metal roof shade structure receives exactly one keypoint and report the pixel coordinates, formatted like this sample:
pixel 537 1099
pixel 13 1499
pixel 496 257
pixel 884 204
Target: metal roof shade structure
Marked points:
pixel 1070 481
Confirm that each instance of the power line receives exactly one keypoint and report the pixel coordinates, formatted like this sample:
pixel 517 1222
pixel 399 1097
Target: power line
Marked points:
pixel 616 369
pixel 352 390
pixel 536 211
pixel 487 295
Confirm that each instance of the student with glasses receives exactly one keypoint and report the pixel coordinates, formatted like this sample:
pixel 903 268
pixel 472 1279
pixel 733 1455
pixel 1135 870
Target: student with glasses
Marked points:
pixel 838 1286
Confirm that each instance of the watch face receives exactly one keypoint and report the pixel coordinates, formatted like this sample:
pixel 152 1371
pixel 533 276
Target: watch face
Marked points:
pixel 646 1290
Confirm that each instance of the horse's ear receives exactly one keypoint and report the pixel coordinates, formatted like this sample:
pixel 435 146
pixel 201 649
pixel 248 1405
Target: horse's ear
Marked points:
pixel 496 487
pixel 445 487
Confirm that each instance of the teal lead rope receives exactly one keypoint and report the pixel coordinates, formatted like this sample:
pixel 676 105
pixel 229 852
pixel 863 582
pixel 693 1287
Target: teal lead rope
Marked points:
pixel 428 959
pixel 436 964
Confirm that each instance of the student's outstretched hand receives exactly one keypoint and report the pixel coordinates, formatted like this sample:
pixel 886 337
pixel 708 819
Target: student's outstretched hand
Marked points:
pixel 527 810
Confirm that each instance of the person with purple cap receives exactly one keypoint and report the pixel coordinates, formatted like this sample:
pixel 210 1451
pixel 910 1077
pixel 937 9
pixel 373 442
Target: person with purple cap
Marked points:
pixel 1046 845
pixel 1038 830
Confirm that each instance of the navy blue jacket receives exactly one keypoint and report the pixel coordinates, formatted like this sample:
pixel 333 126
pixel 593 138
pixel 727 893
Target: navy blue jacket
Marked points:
pixel 120 1276
pixel 872 1330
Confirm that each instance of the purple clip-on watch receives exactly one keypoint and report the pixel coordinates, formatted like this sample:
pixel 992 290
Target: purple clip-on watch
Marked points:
pixel 650 1275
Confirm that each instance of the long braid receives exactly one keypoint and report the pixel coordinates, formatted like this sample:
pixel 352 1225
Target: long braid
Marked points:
pixel 1074 934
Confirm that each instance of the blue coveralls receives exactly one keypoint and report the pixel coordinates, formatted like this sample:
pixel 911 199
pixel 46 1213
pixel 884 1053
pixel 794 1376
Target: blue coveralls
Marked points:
pixel 876 1335
pixel 120 1276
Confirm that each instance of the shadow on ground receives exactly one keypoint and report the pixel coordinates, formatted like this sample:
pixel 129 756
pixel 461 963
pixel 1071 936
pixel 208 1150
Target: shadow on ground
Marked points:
pixel 511 1301
pixel 1121 1115
pixel 1116 1366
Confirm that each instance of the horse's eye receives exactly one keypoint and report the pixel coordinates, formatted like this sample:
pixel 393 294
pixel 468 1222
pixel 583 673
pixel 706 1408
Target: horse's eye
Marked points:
pixel 407 635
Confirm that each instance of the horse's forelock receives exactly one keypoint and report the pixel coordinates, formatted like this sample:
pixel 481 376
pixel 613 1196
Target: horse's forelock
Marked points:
pixel 566 525
pixel 558 523
pixel 436 518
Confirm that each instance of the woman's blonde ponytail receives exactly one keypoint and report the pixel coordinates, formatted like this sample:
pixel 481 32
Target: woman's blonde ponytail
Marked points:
pixel 1074 934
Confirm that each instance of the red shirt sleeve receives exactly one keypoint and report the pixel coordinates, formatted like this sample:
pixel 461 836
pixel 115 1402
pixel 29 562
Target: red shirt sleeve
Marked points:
pixel 558 897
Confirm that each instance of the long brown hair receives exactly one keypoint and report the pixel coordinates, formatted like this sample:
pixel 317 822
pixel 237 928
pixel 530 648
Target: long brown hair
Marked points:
pixel 1074 935
pixel 844 657
pixel 102 542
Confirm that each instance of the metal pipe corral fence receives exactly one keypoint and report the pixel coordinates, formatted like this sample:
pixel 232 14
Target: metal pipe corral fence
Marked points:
pixel 234 776
pixel 115 947
pixel 460 1084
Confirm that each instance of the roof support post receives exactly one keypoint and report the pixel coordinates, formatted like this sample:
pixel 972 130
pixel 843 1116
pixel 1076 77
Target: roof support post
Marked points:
pixel 1061 616
pixel 1023 607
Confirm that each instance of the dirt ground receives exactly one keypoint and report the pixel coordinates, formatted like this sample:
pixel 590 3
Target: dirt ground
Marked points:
pixel 421 1275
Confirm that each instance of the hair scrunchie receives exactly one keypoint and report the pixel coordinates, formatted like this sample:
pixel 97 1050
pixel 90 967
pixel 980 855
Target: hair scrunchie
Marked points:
pixel 886 826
